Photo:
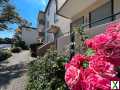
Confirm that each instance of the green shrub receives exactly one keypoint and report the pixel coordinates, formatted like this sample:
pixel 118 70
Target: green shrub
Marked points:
pixel 47 73
pixel 16 50
pixel 4 54
pixel 89 52
pixel 21 44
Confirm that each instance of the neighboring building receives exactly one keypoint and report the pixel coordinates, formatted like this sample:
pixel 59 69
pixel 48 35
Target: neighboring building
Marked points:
pixel 40 27
pixel 29 35
pixel 57 27
pixel 94 15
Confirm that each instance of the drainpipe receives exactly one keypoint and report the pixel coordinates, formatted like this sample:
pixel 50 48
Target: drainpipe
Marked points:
pixel 112 9
pixel 72 40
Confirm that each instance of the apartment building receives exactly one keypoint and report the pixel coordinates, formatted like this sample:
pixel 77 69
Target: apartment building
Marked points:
pixel 40 27
pixel 93 15
pixel 57 27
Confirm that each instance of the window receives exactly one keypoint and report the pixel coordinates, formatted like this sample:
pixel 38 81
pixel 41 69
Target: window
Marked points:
pixel 55 18
pixel 47 24
pixel 48 12
pixel 100 13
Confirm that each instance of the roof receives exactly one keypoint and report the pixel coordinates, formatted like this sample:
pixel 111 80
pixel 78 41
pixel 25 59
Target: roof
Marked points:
pixel 48 5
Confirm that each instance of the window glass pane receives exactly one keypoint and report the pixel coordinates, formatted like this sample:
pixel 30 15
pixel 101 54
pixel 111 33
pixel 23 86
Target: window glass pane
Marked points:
pixel 100 13
pixel 55 18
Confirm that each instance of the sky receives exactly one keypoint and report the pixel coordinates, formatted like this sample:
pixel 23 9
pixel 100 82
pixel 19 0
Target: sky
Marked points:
pixel 28 9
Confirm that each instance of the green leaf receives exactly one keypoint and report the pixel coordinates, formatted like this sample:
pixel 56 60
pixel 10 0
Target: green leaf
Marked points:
pixel 85 64
pixel 89 52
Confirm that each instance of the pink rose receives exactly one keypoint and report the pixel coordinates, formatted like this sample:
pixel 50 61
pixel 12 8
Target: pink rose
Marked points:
pixel 89 42
pixel 92 81
pixel 100 66
pixel 72 77
pixel 114 27
pixel 98 41
pixel 98 82
pixel 111 50
pixel 77 60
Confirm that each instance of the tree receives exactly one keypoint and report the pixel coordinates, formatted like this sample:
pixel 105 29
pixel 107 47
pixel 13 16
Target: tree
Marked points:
pixel 8 14
pixel 1 41
pixel 6 41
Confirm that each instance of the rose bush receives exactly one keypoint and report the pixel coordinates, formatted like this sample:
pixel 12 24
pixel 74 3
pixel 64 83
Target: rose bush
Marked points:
pixel 95 72
pixel 107 44
pixel 93 76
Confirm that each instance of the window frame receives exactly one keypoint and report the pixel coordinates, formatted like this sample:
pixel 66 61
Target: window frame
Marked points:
pixel 111 11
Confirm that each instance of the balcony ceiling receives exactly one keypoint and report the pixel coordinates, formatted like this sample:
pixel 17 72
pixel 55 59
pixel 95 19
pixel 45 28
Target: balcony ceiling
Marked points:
pixel 73 7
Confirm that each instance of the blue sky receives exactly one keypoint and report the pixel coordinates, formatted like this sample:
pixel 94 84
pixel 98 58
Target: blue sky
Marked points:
pixel 28 9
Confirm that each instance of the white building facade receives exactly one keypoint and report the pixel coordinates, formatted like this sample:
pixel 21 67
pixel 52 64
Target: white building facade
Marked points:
pixel 57 28
pixel 29 36
pixel 40 27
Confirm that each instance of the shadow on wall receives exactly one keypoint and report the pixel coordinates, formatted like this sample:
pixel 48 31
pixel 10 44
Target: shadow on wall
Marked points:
pixel 8 73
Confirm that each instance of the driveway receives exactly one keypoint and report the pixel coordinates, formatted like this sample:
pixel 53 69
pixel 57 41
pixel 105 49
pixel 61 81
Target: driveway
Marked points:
pixel 13 72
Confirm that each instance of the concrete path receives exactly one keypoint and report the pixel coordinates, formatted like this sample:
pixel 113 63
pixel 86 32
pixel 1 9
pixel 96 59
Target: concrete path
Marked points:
pixel 13 75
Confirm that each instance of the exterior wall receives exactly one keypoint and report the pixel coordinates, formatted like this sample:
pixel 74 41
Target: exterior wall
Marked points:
pixel 99 3
pixel 40 26
pixel 64 25
pixel 63 35
pixel 99 28
pixel 96 29
pixel 86 11
pixel 29 36
pixel 41 36
pixel 41 18
pixel 63 40
pixel 61 22
pixel 63 43
pixel 49 17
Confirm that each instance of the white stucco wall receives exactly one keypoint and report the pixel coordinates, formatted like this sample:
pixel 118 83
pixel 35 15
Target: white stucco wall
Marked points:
pixel 64 24
pixel 50 18
pixel 29 36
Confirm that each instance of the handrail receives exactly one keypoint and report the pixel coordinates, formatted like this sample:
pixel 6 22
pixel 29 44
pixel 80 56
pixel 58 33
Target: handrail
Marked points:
pixel 113 15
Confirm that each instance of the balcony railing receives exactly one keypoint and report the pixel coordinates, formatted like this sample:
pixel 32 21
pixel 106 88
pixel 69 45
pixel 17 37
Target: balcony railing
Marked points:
pixel 99 20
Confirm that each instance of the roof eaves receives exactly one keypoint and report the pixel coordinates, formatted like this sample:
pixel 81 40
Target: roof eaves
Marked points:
pixel 47 5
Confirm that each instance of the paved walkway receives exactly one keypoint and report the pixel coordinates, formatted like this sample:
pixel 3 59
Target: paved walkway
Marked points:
pixel 13 74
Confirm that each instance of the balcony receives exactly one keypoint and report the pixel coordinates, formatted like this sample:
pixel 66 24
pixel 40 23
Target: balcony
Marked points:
pixel 73 7
pixel 100 28
pixel 54 29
